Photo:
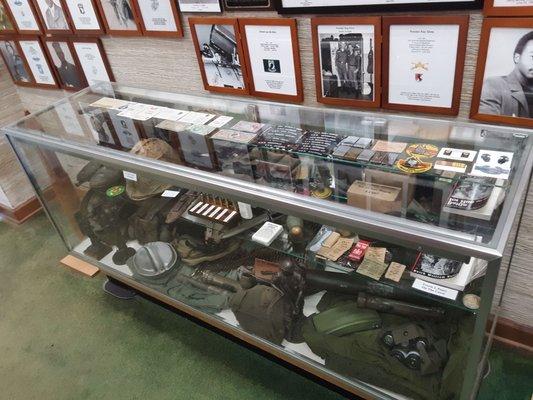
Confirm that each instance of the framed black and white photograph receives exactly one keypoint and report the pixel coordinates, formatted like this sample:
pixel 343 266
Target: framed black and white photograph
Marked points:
pixel 220 56
pixel 504 78
pixel 84 17
pixel 24 15
pixel 93 60
pixel 65 64
pixel 38 63
pixel 200 6
pixel 6 22
pixel 248 5
pixel 159 18
pixel 120 17
pixel 359 6
pixel 16 64
pixel 53 16
pixel 508 8
pixel 347 54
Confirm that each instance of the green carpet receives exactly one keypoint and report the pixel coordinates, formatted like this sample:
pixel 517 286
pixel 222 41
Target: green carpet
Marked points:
pixel 61 337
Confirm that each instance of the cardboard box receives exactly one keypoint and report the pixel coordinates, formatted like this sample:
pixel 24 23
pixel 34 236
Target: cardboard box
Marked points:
pixel 374 197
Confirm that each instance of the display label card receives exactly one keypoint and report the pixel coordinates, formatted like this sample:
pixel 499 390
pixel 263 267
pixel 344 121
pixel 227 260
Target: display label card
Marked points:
pixel 83 15
pixel 140 111
pixel 395 271
pixel 91 62
pixel 23 15
pixel 111 103
pixel 453 166
pixel 170 193
pixel 436 290
pixel 200 6
pixel 373 264
pixel 158 15
pixel 197 118
pixel 513 3
pixel 170 114
pixel 332 3
pixel 37 61
pixel 130 176
pixel 422 64
pixel 234 136
pixel 389 147
pixel 271 58
pixel 220 121
pixel 248 126
pixel 173 126
pixel 457 154
pixel 493 164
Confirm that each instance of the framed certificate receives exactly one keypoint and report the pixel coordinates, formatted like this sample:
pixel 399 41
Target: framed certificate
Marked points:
pixel 504 68
pixel 220 55
pixel 347 55
pixel 159 18
pixel 65 63
pixel 508 8
pixel 200 6
pixel 93 60
pixel 350 6
pixel 84 17
pixel 6 20
pixel 248 5
pixel 272 58
pixel 423 62
pixel 25 16
pixel 120 17
pixel 38 63
pixel 53 16
pixel 16 64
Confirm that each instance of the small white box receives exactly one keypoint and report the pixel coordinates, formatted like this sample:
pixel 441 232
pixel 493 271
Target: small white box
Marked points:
pixel 267 233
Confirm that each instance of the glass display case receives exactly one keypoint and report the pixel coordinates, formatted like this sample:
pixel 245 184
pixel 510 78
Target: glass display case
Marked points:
pixel 361 247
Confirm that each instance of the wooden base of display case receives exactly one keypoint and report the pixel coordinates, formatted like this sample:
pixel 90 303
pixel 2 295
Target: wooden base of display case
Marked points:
pixel 22 213
pixel 79 265
pixel 514 335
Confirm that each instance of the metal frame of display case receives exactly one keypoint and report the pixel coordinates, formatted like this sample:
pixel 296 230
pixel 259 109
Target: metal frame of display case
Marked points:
pixel 411 234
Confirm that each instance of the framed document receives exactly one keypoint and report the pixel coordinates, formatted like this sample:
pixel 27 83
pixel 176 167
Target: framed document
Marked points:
pixel 159 18
pixel 120 17
pixel 24 15
pixel 6 20
pixel 65 64
pixel 220 56
pixel 15 62
pixel 272 58
pixel 38 63
pixel 53 16
pixel 508 8
pixel 203 6
pixel 423 62
pixel 93 60
pixel 252 5
pixel 350 6
pixel 84 17
pixel 502 89
pixel 347 55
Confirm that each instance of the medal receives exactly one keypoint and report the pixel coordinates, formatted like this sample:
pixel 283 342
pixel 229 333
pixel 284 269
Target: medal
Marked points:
pixel 422 150
pixel 413 165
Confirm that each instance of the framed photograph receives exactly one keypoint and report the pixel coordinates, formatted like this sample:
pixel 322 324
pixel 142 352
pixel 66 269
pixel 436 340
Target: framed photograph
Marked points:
pixel 6 20
pixel 120 17
pixel 200 6
pixel 360 6
pixel 32 50
pixel 248 5
pixel 504 72
pixel 272 58
pixel 93 60
pixel 84 17
pixel 423 63
pixel 15 62
pixel 347 55
pixel 24 16
pixel 53 16
pixel 508 8
pixel 159 18
pixel 65 64
pixel 220 56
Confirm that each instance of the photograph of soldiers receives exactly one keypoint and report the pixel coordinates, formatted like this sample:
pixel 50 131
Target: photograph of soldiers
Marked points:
pixel 119 14
pixel 14 61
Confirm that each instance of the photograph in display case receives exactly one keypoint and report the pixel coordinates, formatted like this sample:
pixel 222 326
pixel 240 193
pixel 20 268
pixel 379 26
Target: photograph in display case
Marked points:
pixel 119 17
pixel 508 8
pixel 24 15
pixel 159 18
pixel 53 16
pixel 220 54
pixel 347 54
pixel 6 23
pixel 84 16
pixel 252 5
pixel 93 60
pixel 207 6
pixel 271 51
pixel 66 66
pixel 423 62
pixel 38 63
pixel 15 63
pixel 504 77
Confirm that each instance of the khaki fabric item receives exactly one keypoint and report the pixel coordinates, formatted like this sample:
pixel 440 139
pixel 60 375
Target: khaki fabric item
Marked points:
pixel 155 148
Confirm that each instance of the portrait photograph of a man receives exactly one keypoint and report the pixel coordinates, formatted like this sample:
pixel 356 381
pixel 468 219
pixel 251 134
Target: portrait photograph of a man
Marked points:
pixel 64 63
pixel 14 61
pixel 53 14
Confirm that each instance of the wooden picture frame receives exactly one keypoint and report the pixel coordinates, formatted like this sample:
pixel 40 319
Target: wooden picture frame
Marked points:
pixel 490 10
pixel 7 18
pixel 298 97
pixel 229 5
pixel 36 78
pixel 201 7
pixel 462 22
pixel 224 58
pixel 499 97
pixel 103 58
pixel 178 32
pixel 73 10
pixel 60 14
pixel 18 61
pixel 323 94
pixel 133 17
pixel 70 77
pixel 16 13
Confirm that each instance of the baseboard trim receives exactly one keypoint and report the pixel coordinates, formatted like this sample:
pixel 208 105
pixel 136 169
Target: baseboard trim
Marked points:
pixel 21 213
pixel 513 334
